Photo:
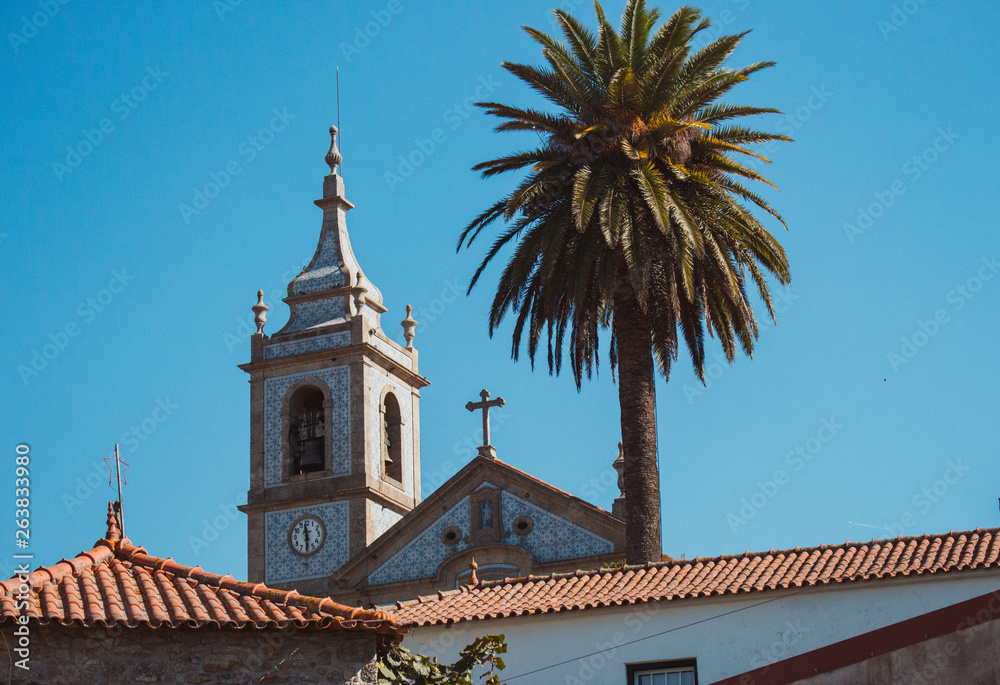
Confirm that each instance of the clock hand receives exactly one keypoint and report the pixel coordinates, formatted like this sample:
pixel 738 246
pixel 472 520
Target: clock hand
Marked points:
pixel 305 529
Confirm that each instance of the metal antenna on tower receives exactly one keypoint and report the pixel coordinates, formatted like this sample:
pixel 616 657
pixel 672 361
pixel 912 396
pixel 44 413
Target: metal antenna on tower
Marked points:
pixel 339 130
pixel 116 475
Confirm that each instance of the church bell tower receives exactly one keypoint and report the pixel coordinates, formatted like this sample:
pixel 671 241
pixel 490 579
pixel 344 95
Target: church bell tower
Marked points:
pixel 334 416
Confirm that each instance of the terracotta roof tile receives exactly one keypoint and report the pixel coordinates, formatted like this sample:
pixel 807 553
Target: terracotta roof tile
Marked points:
pixel 732 574
pixel 117 583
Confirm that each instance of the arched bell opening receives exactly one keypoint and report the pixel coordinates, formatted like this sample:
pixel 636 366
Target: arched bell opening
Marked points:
pixel 392 439
pixel 307 431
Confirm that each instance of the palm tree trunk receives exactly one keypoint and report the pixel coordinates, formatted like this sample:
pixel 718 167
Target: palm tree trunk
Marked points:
pixel 637 397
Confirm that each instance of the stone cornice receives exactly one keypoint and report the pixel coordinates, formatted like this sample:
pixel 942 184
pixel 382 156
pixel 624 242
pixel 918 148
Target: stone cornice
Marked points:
pixel 285 364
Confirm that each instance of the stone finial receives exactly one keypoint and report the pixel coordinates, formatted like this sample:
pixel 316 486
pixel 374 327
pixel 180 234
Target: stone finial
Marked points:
pixel 333 158
pixel 473 580
pixel 113 534
pixel 619 466
pixel 260 312
pixel 360 292
pixel 409 327
pixel 618 506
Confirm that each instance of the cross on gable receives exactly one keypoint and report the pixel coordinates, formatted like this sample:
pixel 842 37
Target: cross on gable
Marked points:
pixel 486 450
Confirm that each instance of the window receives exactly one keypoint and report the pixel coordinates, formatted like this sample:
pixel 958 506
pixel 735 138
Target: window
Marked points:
pixel 392 439
pixel 663 673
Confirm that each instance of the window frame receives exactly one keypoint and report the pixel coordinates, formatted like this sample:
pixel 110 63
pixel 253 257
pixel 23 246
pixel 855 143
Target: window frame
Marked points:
pixel 637 669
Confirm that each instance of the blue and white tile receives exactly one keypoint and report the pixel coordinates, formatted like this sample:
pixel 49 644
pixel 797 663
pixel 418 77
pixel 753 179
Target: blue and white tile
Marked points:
pixel 282 565
pixel 320 342
pixel 316 313
pixel 383 518
pixel 324 273
pixel 552 538
pixel 338 380
pixel 421 556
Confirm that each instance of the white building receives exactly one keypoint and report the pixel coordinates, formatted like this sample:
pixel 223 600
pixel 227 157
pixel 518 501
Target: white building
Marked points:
pixel 901 611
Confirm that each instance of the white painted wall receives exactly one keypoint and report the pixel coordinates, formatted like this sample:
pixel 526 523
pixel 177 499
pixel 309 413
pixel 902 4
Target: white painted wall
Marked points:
pixel 727 635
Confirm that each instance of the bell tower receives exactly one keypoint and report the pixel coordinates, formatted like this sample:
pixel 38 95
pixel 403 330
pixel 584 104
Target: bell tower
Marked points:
pixel 334 416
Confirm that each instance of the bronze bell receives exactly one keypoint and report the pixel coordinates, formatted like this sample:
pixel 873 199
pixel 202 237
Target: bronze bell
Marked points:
pixel 312 455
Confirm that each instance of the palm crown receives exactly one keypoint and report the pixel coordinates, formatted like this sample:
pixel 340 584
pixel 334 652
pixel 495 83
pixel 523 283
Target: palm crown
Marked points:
pixel 635 192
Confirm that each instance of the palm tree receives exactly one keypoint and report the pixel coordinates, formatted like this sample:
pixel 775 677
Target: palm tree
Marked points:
pixel 633 216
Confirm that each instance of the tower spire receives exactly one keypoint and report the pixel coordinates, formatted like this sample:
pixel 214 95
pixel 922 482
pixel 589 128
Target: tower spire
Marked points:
pixel 332 289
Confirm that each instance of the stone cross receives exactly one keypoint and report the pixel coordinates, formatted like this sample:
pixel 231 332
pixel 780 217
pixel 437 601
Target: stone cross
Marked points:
pixel 486 450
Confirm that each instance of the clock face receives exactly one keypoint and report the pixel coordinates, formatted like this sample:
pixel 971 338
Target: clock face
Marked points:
pixel 306 535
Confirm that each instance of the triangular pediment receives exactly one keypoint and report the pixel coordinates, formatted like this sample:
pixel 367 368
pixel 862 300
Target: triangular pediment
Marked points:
pixel 511 523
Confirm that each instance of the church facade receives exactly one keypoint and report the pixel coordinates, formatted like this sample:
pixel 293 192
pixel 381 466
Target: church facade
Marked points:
pixel 335 505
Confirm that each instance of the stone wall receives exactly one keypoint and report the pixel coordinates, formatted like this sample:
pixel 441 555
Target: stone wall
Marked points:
pixel 113 656
pixel 966 657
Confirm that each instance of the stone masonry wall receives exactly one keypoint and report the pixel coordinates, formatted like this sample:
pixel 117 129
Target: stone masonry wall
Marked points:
pixel 967 657
pixel 113 656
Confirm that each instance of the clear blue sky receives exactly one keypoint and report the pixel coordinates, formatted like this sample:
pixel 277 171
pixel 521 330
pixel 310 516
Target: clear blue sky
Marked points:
pixel 145 305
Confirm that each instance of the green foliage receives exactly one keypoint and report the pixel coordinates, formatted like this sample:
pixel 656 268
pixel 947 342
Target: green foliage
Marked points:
pixel 634 192
pixel 402 667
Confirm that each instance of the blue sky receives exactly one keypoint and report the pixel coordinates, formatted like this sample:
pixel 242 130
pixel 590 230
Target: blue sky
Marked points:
pixel 868 411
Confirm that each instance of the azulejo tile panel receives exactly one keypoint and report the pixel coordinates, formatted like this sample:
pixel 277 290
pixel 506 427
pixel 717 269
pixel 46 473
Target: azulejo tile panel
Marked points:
pixel 390 351
pixel 338 380
pixel 324 273
pixel 320 342
pixel 282 565
pixel 383 518
pixel 316 313
pixel 378 382
pixel 421 556
pixel 552 538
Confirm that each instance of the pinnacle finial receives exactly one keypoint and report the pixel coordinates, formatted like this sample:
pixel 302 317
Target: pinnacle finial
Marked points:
pixel 473 580
pixel 333 158
pixel 260 312
pixel 113 533
pixel 618 506
pixel 619 466
pixel 409 327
